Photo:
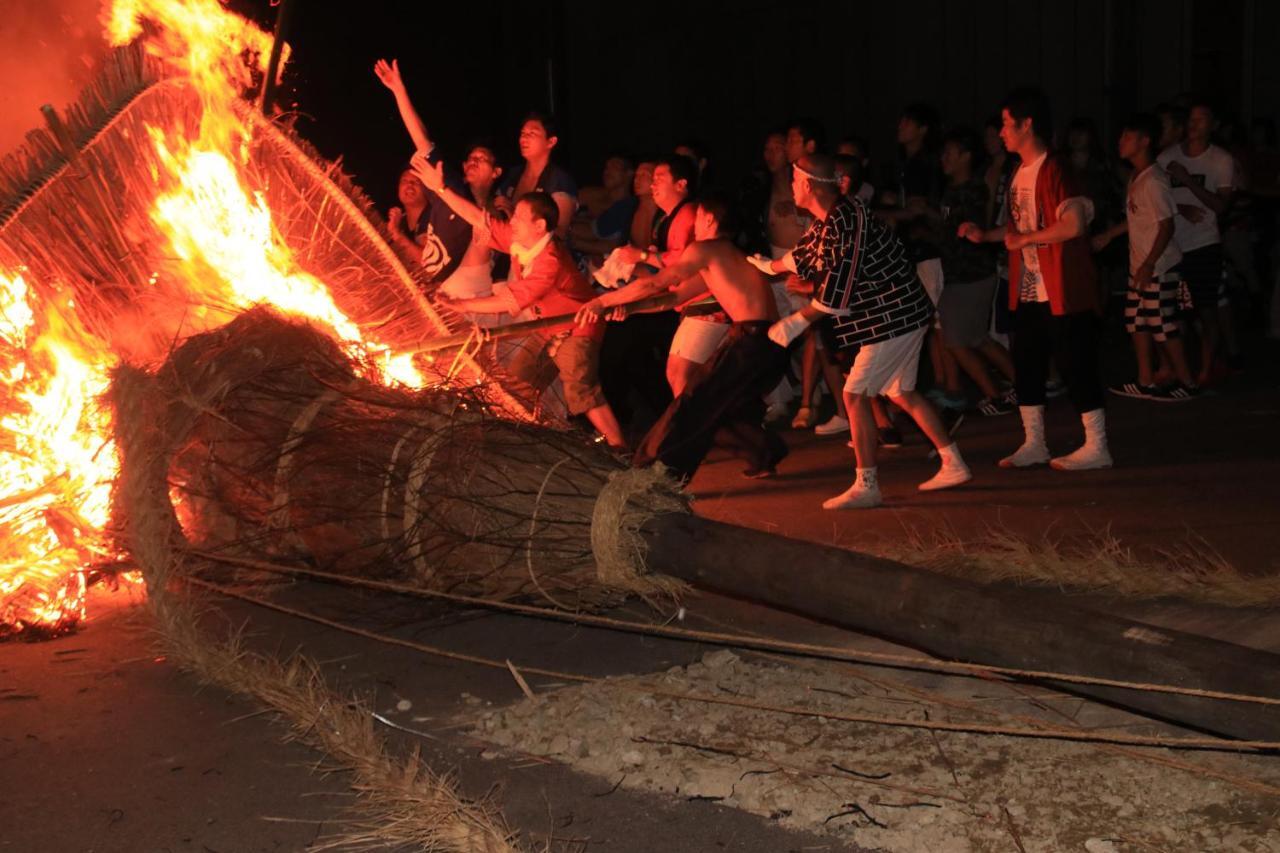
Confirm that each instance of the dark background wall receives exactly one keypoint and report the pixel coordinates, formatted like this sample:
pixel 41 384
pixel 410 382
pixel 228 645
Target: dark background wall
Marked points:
pixel 725 72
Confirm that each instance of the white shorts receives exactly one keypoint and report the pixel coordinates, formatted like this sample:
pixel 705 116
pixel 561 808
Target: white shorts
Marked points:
pixel 697 339
pixel 886 367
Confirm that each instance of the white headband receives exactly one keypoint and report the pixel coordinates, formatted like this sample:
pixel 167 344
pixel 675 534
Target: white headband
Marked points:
pixel 811 176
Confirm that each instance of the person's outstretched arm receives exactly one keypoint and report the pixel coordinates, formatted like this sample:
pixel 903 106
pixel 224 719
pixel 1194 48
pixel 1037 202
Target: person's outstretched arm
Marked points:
pixel 688 266
pixel 389 74
pixel 432 177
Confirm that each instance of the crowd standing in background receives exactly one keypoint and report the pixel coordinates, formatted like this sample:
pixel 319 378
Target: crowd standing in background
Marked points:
pixel 698 315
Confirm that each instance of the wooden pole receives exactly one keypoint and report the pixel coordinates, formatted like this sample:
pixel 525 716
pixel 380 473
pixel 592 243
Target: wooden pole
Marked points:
pixel 526 326
pixel 959 620
pixel 273 61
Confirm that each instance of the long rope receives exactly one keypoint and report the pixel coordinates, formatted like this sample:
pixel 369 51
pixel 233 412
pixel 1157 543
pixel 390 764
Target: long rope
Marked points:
pixel 1047 732
pixel 720 638
pixel 1243 782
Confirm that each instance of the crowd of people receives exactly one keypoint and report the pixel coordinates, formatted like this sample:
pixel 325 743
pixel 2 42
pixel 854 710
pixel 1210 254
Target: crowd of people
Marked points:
pixel 691 315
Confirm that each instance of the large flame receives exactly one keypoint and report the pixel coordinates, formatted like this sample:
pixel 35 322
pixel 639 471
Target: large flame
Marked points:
pixel 56 458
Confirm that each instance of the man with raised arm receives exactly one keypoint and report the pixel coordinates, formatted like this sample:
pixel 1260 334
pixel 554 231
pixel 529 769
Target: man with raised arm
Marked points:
pixel 727 391
pixel 545 280
pixel 864 279
pixel 453 255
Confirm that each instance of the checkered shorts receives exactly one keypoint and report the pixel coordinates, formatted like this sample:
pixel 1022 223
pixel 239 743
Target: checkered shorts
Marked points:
pixel 1154 309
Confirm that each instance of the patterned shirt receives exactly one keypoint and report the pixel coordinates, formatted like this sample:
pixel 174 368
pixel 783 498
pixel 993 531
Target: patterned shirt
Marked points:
pixel 862 275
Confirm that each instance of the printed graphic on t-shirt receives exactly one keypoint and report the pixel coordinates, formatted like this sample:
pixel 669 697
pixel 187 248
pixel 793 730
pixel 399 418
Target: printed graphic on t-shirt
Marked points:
pixel 1022 206
pixel 435 255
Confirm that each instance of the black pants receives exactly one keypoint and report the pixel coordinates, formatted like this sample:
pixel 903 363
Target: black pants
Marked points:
pixel 633 364
pixel 725 394
pixel 1070 340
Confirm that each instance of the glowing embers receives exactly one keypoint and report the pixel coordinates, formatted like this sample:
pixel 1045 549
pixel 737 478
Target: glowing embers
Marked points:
pixel 57 461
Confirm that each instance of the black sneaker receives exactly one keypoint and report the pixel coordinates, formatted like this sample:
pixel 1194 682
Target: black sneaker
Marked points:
pixel 1175 393
pixel 889 438
pixel 995 406
pixel 1133 389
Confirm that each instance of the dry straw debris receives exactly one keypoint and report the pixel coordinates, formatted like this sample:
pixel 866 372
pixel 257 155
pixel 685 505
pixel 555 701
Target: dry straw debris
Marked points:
pixel 1097 560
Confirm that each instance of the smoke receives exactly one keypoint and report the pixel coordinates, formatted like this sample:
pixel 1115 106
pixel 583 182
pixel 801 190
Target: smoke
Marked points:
pixel 49 49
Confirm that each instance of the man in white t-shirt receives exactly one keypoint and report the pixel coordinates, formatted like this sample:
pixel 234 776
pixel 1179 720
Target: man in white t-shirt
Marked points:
pixel 1203 177
pixel 1151 304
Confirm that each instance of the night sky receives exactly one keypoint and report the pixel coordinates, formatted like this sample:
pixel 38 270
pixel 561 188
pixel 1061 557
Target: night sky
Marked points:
pixel 640 79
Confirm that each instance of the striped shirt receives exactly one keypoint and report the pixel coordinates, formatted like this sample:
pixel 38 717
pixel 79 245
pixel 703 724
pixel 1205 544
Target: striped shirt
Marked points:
pixel 862 275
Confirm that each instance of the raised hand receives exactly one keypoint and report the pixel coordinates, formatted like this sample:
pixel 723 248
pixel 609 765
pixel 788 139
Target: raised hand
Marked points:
pixel 389 74
pixel 431 175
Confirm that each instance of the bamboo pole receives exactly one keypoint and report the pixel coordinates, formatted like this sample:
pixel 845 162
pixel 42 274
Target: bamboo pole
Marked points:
pixel 527 326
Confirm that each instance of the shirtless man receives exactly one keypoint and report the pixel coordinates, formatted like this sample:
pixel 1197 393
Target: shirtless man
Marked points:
pixel 727 392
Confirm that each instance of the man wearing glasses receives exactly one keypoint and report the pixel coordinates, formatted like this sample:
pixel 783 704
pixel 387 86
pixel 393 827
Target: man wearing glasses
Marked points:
pixel 454 256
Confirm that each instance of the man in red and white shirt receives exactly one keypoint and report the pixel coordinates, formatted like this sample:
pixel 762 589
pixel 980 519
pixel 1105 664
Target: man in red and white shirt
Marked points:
pixel 1052 287
pixel 545 281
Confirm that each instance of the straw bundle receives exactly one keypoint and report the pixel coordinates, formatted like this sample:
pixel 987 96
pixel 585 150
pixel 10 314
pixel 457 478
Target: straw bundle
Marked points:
pixel 272 446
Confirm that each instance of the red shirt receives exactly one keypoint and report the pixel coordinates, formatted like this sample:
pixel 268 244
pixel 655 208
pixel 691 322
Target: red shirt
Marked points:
pixel 552 286
pixel 1069 275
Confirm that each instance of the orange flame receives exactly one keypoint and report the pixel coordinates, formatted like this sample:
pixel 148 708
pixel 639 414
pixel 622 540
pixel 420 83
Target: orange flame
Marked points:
pixel 56 461
pixel 56 458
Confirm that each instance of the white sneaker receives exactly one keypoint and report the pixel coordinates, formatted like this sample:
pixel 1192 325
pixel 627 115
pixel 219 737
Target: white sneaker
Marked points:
pixel 1026 456
pixel 835 426
pixel 854 497
pixel 947 476
pixel 1085 458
